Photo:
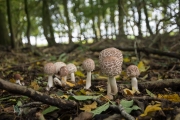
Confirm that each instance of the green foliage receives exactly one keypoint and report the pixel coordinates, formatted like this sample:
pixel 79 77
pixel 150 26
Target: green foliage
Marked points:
pixel 83 97
pixel 49 109
pixel 100 109
pixel 128 105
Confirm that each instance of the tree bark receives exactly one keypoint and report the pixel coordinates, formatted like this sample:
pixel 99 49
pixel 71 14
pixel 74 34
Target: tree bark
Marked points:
pixel 147 20
pixel 47 24
pixel 35 95
pixel 28 22
pixel 121 17
pixel 10 23
pixel 65 3
pixel 138 7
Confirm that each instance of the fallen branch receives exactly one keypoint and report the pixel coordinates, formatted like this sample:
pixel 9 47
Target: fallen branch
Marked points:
pixel 35 95
pixel 144 50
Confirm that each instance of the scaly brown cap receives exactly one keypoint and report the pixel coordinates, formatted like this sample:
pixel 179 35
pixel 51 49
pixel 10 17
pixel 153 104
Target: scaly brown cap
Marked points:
pixel 88 65
pixel 71 68
pixel 49 68
pixel 111 66
pixel 58 66
pixel 108 52
pixel 63 71
pixel 132 71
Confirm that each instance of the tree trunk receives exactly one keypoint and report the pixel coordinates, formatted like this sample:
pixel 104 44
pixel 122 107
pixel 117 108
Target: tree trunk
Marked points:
pixel 138 7
pixel 28 22
pixel 47 25
pixel 121 17
pixel 10 23
pixel 147 20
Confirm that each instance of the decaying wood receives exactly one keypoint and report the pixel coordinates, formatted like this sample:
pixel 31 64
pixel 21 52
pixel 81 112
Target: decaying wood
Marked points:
pixel 144 50
pixel 155 85
pixel 35 95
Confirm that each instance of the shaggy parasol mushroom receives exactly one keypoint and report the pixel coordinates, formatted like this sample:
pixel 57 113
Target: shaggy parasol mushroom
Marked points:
pixel 111 66
pixel 59 73
pixel 72 68
pixel 88 65
pixel 50 69
pixel 63 74
pixel 18 78
pixel 110 52
pixel 133 72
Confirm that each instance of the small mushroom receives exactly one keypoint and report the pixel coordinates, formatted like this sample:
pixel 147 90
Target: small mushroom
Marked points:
pixel 50 69
pixel 88 65
pixel 63 74
pixel 111 66
pixel 110 52
pixel 59 73
pixel 72 68
pixel 18 79
pixel 133 72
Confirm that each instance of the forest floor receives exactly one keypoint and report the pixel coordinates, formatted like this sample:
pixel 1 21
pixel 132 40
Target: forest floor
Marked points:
pixel 153 102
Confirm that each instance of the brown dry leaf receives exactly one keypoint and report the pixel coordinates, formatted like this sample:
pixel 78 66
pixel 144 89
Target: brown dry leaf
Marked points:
pixel 88 108
pixel 34 85
pixel 84 116
pixel 9 109
pixel 81 82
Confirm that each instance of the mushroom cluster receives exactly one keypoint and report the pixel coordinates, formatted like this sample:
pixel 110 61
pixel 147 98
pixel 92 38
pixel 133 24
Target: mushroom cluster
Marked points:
pixel 111 60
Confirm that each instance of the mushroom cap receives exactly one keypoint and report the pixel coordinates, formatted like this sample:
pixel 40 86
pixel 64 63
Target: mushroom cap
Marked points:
pixel 132 71
pixel 58 66
pixel 49 68
pixel 111 66
pixel 88 64
pixel 71 68
pixel 63 71
pixel 17 77
pixel 114 52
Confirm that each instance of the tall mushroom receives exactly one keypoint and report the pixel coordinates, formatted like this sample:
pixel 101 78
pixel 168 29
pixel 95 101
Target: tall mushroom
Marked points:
pixel 133 72
pixel 88 65
pixel 59 72
pixel 50 69
pixel 110 52
pixel 111 66
pixel 72 68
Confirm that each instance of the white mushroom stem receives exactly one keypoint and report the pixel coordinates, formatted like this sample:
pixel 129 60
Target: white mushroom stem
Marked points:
pixel 113 85
pixel 50 81
pixel 108 87
pixel 88 80
pixel 72 77
pixel 18 82
pixel 134 83
pixel 57 81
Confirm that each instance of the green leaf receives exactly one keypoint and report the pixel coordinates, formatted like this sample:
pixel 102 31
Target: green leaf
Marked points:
pixel 134 107
pixel 126 104
pixel 49 109
pixel 83 97
pixel 150 93
pixel 100 109
pixel 19 103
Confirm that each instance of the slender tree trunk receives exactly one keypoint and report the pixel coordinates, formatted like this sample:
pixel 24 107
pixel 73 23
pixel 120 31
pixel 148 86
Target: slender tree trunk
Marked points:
pixel 65 3
pixel 28 22
pixel 93 20
pixel 10 23
pixel 138 7
pixel 147 20
pixel 47 25
pixel 99 26
pixel 121 17
pixel 179 17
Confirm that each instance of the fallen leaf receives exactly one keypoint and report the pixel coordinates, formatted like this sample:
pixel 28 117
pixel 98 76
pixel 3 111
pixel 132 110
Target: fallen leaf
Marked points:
pixel 81 82
pixel 70 84
pixel 172 97
pixel 128 91
pixel 151 108
pixel 79 73
pixel 88 108
pixel 12 80
pixel 34 85
pixel 150 93
pixel 126 59
pixel 142 67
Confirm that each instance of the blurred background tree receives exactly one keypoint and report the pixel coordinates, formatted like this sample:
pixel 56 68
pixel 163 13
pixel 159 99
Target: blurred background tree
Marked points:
pixel 44 22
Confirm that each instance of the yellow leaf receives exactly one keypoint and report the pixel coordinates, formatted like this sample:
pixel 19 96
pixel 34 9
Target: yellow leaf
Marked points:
pixel 12 80
pixel 70 84
pixel 142 67
pixel 79 73
pixel 128 91
pixel 173 97
pixel 126 59
pixel 34 85
pixel 80 82
pixel 38 63
pixel 88 108
pixel 151 108
pixel 64 96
